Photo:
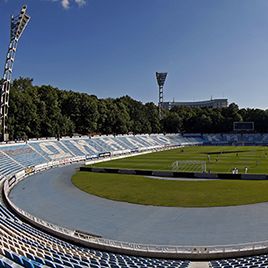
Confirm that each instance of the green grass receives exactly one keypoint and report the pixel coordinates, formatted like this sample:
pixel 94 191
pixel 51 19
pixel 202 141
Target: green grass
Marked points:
pixel 222 159
pixel 141 190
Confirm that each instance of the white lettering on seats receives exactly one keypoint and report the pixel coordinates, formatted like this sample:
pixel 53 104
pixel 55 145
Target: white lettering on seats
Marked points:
pixel 134 142
pixel 82 145
pixel 150 140
pixel 163 139
pixel 60 152
pixel 113 143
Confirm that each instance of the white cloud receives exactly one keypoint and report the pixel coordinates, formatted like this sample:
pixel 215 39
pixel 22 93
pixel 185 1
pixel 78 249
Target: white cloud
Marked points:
pixel 65 4
pixel 80 2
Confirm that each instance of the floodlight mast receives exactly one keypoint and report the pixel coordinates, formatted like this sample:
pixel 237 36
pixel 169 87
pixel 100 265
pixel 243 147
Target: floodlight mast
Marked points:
pixel 161 78
pixel 18 25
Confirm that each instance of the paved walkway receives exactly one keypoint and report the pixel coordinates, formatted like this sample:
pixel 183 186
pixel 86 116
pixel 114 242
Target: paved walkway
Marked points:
pixel 51 196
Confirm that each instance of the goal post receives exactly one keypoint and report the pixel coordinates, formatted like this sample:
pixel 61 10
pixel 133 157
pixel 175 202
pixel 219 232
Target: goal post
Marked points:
pixel 189 166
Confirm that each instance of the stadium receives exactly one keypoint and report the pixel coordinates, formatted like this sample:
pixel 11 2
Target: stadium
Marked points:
pixel 33 242
pixel 131 200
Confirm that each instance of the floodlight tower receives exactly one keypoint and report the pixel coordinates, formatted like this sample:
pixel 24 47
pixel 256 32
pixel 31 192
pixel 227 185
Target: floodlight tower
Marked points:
pixel 161 78
pixel 18 25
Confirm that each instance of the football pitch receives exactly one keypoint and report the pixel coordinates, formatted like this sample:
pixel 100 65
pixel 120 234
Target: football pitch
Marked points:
pixel 221 159
pixel 202 193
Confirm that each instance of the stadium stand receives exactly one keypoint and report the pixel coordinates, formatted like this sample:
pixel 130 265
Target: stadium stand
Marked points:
pixel 22 245
pixel 248 262
pixel 51 150
pixel 8 165
pixel 24 154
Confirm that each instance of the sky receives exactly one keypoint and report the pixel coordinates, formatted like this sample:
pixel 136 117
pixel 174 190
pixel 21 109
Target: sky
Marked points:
pixel 112 48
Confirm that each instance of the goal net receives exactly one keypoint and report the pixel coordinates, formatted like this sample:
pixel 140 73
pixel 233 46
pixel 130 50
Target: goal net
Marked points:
pixel 189 166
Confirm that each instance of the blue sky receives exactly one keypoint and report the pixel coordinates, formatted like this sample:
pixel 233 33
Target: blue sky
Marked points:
pixel 111 48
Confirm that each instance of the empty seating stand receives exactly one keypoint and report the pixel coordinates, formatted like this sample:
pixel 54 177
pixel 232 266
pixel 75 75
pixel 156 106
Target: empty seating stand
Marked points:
pixel 247 262
pixel 8 165
pixel 24 155
pixel 22 245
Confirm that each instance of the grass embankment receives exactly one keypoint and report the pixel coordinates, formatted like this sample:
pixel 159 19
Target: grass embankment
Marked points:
pixel 141 190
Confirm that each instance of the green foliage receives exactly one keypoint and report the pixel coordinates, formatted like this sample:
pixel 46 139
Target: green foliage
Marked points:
pixel 42 111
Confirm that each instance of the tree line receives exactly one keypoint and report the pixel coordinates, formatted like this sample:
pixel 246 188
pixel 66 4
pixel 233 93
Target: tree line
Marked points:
pixel 46 111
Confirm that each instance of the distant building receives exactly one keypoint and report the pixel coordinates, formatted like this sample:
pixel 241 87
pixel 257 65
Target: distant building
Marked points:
pixel 213 103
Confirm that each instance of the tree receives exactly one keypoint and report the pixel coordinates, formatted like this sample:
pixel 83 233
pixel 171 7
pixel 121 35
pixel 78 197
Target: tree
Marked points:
pixel 172 123
pixel 151 111
pixel 41 111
